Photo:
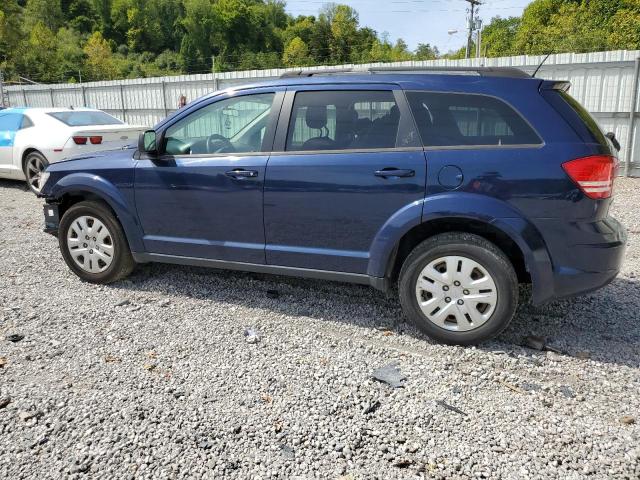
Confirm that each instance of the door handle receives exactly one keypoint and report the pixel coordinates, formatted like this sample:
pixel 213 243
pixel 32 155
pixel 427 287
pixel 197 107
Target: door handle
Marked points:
pixel 241 173
pixel 394 172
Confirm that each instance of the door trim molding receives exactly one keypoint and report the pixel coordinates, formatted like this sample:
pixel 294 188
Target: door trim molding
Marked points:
pixel 359 278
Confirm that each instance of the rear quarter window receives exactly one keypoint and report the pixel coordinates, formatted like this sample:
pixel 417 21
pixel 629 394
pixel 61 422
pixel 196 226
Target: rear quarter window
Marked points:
pixel 588 121
pixel 9 125
pixel 463 120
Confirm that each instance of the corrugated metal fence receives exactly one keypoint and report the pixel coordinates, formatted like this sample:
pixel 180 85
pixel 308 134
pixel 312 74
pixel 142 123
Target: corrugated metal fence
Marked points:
pixel 606 83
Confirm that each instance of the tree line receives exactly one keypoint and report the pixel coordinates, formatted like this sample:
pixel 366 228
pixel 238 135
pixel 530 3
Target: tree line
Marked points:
pixel 84 40
pixel 73 40
pixel 556 26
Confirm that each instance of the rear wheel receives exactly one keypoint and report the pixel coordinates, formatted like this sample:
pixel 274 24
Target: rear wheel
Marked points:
pixel 458 288
pixel 34 165
pixel 93 244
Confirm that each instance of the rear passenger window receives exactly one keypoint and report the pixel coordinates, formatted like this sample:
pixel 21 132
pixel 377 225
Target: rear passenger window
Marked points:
pixel 343 120
pixel 456 119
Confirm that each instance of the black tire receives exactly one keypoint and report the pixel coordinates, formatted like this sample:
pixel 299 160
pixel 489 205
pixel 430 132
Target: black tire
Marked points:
pixel 478 249
pixel 122 263
pixel 36 158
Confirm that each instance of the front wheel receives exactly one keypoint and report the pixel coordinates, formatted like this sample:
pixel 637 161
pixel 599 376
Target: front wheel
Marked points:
pixel 458 288
pixel 93 244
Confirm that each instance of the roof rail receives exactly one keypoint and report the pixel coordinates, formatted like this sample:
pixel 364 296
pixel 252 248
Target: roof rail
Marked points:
pixel 511 72
pixel 311 73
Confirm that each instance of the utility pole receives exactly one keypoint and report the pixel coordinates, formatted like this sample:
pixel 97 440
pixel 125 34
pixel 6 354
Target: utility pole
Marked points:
pixel 478 37
pixel 2 89
pixel 472 24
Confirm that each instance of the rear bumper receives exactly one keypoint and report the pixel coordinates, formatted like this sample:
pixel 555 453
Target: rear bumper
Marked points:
pixel 585 256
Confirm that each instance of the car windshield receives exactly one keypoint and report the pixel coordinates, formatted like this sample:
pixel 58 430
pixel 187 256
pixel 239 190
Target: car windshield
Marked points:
pixel 83 118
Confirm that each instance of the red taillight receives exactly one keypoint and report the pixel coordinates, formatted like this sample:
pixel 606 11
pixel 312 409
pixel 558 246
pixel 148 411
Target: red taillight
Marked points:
pixel 80 140
pixel 95 140
pixel 594 175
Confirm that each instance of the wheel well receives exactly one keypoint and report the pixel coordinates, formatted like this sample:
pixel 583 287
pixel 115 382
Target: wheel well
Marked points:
pixel 70 199
pixel 27 152
pixel 425 230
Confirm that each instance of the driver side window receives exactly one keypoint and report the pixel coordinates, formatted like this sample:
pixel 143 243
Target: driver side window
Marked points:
pixel 233 125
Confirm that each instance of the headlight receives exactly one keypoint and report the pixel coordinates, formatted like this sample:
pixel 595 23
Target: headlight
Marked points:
pixel 44 176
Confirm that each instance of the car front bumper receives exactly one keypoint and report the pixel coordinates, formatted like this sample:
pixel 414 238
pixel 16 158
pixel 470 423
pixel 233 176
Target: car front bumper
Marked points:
pixel 51 218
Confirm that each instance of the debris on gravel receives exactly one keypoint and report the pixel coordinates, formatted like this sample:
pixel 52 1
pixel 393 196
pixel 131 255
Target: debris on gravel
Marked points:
pixel 302 403
pixel 389 374
pixel 14 337
pixel 450 407
pixel 251 335
pixel 628 420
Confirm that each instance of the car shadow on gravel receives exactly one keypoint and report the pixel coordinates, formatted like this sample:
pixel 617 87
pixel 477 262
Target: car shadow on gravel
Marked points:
pixel 602 326
pixel 16 184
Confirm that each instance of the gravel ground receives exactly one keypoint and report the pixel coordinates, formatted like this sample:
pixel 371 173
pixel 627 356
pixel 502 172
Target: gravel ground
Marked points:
pixel 154 377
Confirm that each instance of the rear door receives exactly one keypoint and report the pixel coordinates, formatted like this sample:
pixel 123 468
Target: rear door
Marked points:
pixel 344 162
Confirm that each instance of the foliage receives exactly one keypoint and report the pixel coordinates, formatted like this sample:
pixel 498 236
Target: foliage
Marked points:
pixel 69 40
pixel 554 26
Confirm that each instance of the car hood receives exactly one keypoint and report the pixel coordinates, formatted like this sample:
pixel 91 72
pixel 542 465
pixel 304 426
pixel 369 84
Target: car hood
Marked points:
pixel 105 155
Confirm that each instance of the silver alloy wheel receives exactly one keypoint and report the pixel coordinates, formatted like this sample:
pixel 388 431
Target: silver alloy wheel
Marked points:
pixel 456 293
pixel 90 244
pixel 35 167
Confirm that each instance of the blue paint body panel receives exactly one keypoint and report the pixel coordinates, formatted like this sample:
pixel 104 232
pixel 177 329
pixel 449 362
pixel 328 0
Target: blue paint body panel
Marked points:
pixel 10 121
pixel 324 211
pixel 189 207
pixel 327 211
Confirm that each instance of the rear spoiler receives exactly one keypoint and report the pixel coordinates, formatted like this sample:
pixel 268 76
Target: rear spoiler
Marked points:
pixel 562 85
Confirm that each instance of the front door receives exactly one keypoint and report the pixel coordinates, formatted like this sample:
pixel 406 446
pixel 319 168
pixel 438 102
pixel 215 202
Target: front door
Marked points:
pixel 349 160
pixel 203 197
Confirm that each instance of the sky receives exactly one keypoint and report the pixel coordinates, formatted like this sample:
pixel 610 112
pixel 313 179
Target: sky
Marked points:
pixel 417 21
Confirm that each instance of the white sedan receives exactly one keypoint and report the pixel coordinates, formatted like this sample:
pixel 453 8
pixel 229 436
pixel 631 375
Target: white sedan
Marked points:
pixel 32 138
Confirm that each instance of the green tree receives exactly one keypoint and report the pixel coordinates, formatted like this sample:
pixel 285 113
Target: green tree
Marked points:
pixel 344 28
pixel 80 15
pixel 11 35
pixel 100 64
pixel 47 12
pixel 425 51
pixel 624 26
pixel 296 53
pixel 499 35
pixel 37 55
pixel 69 55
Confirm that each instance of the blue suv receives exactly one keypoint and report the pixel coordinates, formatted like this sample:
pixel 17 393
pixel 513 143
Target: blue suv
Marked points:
pixel 452 185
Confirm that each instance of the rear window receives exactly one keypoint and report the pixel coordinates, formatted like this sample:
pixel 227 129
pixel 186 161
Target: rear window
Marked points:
pixel 457 119
pixel 343 120
pixel 85 118
pixel 585 116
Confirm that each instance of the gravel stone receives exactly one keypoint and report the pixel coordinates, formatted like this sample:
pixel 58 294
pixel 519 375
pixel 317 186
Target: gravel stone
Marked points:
pixel 301 403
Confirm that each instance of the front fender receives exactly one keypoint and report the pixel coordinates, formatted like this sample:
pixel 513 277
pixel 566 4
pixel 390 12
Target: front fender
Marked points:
pixel 79 183
pixel 468 206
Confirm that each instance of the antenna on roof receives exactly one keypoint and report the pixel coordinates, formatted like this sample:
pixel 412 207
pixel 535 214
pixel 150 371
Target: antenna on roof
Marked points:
pixel 541 63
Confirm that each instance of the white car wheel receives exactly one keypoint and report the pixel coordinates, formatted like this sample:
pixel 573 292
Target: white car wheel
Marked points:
pixel 34 166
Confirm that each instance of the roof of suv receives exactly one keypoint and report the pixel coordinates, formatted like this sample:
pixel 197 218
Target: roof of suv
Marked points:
pixel 397 75
pixel 510 72
pixel 405 77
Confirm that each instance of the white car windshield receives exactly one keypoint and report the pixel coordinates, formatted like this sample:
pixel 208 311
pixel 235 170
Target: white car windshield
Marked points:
pixel 83 118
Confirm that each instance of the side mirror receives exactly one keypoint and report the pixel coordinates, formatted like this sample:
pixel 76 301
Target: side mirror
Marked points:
pixel 614 141
pixel 147 142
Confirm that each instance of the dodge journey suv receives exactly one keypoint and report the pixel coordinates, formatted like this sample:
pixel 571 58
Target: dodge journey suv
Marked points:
pixel 449 186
